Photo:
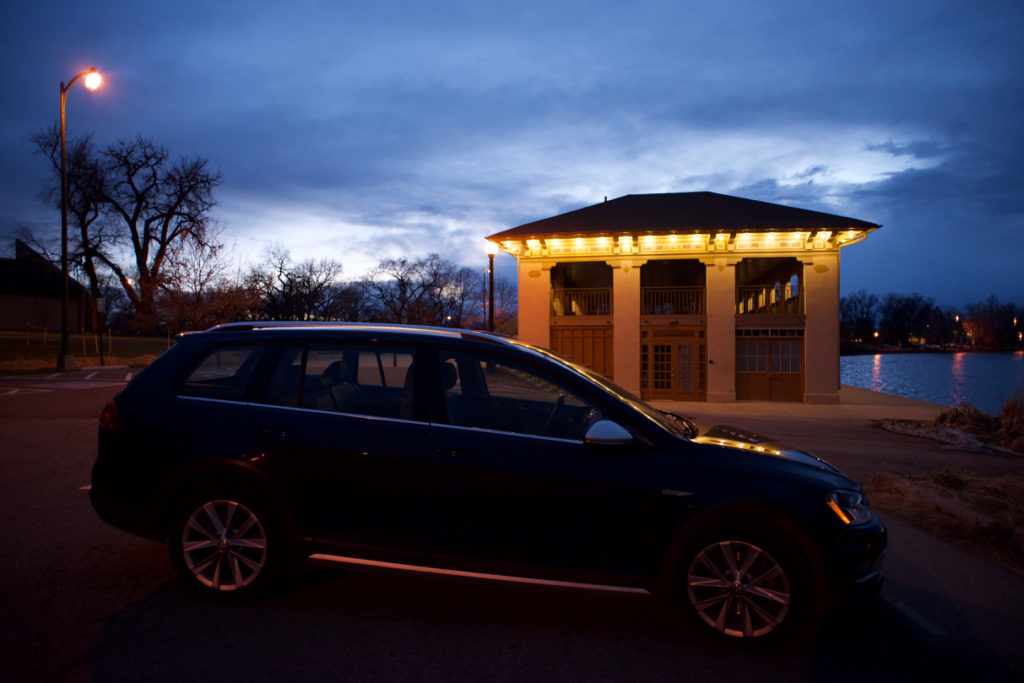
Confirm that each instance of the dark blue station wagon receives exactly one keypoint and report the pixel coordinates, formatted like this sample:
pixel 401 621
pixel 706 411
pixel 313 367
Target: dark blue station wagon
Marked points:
pixel 251 446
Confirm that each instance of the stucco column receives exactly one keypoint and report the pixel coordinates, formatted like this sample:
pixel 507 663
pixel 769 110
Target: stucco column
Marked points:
pixel 534 317
pixel 720 281
pixel 821 331
pixel 626 323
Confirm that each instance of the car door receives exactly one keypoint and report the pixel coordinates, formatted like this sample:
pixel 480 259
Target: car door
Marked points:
pixel 339 424
pixel 520 491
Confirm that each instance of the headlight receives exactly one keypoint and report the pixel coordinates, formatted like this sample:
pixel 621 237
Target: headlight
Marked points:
pixel 850 506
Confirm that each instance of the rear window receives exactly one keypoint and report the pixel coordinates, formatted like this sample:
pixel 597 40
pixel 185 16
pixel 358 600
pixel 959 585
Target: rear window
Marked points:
pixel 224 373
pixel 353 378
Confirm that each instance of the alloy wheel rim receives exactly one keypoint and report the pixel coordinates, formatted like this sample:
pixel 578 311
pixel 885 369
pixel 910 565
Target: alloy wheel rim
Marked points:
pixel 738 589
pixel 224 545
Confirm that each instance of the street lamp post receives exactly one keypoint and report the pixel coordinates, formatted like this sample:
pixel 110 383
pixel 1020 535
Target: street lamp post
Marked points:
pixel 66 361
pixel 492 249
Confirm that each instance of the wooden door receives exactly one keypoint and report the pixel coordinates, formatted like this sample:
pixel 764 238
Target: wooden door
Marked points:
pixel 769 369
pixel 674 368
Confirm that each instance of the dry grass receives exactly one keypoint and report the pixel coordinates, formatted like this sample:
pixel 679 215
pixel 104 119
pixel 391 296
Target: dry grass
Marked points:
pixel 1005 430
pixel 34 364
pixel 34 351
pixel 984 513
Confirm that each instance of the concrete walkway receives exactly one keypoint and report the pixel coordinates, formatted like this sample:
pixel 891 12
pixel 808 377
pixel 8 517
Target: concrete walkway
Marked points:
pixel 854 404
pixel 848 434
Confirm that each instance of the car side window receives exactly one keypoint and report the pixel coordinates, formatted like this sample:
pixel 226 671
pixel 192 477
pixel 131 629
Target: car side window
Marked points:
pixel 285 386
pixel 490 393
pixel 346 378
pixel 224 372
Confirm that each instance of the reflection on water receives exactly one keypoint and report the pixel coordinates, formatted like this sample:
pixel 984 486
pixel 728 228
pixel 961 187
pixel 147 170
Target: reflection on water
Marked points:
pixel 876 375
pixel 985 380
pixel 958 394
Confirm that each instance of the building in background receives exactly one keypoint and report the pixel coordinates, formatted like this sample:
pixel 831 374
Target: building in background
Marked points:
pixel 689 296
pixel 30 289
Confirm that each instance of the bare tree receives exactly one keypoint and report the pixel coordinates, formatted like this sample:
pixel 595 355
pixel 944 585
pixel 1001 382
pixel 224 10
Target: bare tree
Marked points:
pixel 901 315
pixel 353 302
pixel 132 209
pixel 506 306
pixel 157 206
pixel 295 291
pixel 991 325
pixel 427 291
pixel 199 291
pixel 397 288
pixel 857 313
pixel 87 236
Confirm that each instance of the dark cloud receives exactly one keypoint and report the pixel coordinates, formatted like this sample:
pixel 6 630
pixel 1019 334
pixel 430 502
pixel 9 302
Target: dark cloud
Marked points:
pixel 394 126
pixel 919 149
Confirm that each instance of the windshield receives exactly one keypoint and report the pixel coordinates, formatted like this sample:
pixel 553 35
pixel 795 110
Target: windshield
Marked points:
pixel 679 426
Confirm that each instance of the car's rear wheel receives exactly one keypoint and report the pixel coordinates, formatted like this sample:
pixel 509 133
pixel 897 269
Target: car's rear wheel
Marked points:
pixel 745 586
pixel 227 544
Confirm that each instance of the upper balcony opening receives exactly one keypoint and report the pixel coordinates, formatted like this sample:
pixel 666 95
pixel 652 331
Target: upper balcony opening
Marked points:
pixel 769 286
pixel 673 287
pixel 581 288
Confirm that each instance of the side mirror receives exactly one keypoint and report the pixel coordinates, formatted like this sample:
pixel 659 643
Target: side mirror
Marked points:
pixel 607 433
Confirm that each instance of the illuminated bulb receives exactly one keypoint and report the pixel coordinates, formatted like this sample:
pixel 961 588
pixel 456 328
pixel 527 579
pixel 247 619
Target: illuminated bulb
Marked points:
pixel 93 80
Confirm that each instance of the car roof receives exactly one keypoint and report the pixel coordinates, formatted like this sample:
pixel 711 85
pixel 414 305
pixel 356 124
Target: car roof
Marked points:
pixel 297 327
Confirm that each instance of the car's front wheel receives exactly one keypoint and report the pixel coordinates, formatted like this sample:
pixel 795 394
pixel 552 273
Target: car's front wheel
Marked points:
pixel 227 545
pixel 745 586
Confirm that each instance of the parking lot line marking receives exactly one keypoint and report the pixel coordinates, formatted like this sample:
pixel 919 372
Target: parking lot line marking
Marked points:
pixel 12 392
pixel 91 375
pixel 77 384
pixel 54 375
pixel 916 617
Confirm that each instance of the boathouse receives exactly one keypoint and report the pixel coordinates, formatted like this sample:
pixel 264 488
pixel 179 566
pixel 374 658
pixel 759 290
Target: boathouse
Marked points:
pixel 693 296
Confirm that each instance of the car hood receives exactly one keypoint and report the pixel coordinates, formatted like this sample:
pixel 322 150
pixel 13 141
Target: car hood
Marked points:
pixel 758 445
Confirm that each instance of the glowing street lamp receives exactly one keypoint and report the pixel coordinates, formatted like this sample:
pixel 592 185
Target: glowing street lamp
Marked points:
pixel 65 361
pixel 492 249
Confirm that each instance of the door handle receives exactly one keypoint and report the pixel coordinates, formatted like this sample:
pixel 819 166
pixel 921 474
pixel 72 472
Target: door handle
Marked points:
pixel 282 434
pixel 457 454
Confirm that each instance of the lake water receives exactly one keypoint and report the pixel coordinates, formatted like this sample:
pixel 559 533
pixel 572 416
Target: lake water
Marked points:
pixel 985 380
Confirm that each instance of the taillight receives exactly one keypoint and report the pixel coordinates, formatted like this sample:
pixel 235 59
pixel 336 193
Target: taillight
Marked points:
pixel 108 418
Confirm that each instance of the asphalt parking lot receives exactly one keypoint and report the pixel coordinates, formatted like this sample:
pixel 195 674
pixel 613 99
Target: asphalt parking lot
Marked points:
pixel 81 601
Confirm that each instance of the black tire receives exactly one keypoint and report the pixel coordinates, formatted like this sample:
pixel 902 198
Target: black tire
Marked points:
pixel 746 586
pixel 227 543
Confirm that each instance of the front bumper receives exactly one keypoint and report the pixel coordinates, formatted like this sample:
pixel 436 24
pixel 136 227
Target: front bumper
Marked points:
pixel 857 567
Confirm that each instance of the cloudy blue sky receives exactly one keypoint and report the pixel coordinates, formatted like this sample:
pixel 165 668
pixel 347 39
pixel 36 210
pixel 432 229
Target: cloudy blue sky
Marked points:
pixel 368 130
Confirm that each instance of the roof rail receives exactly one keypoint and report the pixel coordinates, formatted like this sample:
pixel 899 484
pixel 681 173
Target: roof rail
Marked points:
pixel 480 335
pixel 267 324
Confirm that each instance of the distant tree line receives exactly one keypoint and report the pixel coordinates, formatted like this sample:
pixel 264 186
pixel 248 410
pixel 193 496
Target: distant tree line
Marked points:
pixel 142 239
pixel 425 291
pixel 912 319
